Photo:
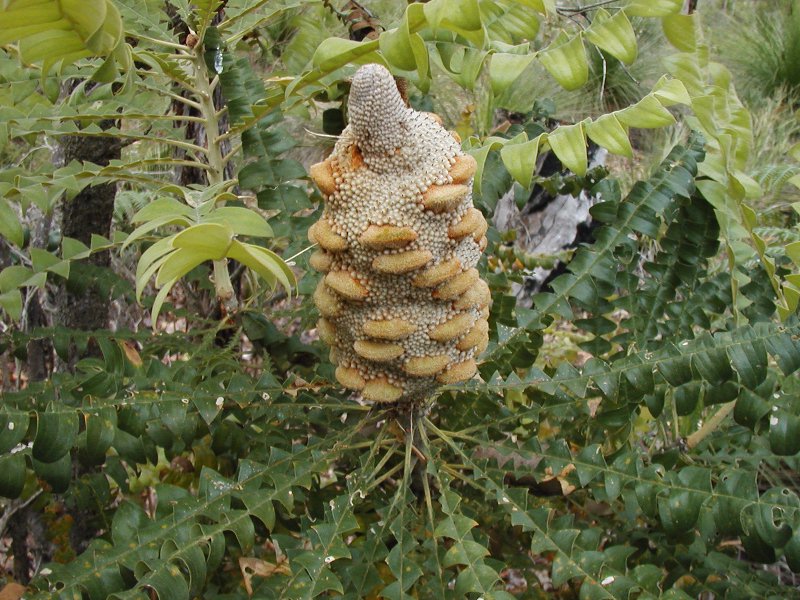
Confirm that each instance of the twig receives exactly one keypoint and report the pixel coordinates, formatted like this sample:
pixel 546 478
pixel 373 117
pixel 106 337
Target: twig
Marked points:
pixel 711 425
pixel 563 9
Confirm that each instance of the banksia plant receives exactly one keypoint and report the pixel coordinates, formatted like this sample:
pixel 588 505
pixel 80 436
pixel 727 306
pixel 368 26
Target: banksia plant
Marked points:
pixel 401 302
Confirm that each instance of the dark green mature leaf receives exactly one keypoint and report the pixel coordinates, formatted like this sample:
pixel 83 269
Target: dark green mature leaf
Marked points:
pixel 55 435
pixel 13 469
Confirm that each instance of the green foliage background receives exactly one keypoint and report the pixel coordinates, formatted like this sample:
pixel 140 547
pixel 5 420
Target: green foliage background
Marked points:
pixel 633 434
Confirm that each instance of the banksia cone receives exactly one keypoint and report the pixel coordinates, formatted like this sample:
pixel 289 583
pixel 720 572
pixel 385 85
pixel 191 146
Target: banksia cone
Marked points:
pixel 402 305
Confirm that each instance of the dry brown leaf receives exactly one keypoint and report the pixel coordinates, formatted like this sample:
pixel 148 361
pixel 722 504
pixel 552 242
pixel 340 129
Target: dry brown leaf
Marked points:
pixel 255 567
pixel 12 591
pixel 566 487
pixel 131 353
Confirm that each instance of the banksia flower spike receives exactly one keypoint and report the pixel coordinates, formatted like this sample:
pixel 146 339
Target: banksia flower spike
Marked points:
pixel 401 302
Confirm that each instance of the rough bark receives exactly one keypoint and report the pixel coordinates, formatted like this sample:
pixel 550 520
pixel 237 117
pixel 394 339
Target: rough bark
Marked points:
pixel 82 303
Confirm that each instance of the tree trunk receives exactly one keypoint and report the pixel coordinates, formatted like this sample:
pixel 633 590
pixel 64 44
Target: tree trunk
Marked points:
pixel 82 303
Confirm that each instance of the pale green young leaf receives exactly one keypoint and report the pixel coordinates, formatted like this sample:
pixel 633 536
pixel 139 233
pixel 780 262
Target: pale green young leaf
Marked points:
pixel 162 207
pixel 98 242
pixel 793 252
pixel 155 224
pixel 608 132
pixel 480 154
pixel 566 61
pixel 62 31
pixel 509 23
pixel 462 64
pixel 178 264
pixel 653 8
pixel 334 53
pixel 520 158
pixel 204 12
pixel 86 16
pixel 504 69
pixel 10 227
pixel 52 46
pixel 266 263
pixel 614 34
pixel 243 221
pixel 648 113
pixel 152 254
pixel 209 240
pixel 791 296
pixel 395 45
pixel 158 302
pixel 545 7
pixel 405 50
pixel 27 17
pixel 568 142
pixel 683 66
pixel 146 270
pixel 105 39
pixel 459 16
pixel 671 91
pixel 681 32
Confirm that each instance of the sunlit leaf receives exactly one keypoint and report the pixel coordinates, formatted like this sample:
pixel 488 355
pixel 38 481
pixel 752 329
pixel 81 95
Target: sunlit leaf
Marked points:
pixel 520 159
pixel 569 145
pixel 653 8
pixel 210 240
pixel 680 30
pixel 504 69
pixel 648 113
pixel 608 132
pixel 565 59
pixel 614 34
